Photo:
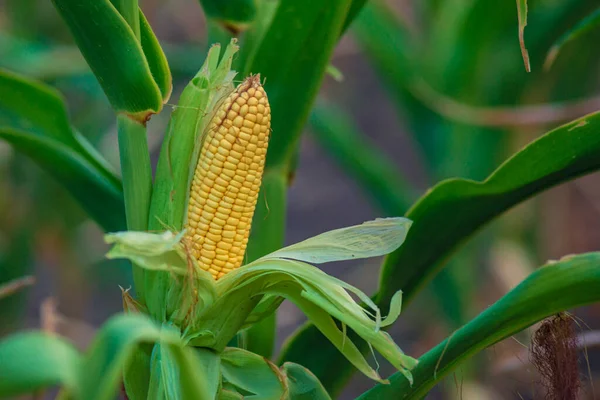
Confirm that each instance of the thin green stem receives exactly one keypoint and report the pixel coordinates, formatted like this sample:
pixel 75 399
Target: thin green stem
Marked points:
pixel 137 182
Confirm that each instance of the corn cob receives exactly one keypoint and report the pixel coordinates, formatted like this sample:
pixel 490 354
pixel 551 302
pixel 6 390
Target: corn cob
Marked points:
pixel 225 186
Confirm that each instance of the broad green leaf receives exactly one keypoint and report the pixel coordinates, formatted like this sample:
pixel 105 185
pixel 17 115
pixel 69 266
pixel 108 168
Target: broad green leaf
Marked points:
pixel 156 252
pixel 116 56
pixel 253 37
pixel 355 8
pixel 97 195
pixel 290 45
pixel 34 120
pixel 303 384
pixel 136 374
pixel 320 297
pixel 587 24
pixel 370 239
pixel 555 287
pixel 453 210
pixel 211 364
pixel 35 361
pixel 113 348
pixel 449 213
pixel 251 373
pixel 293 57
pixel 38 109
pixel 34 107
pixel 229 394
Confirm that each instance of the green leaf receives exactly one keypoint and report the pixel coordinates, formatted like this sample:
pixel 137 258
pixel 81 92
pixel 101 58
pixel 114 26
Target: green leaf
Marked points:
pixel 557 286
pixel 454 209
pixel 33 107
pixel 303 384
pixel 156 252
pixel 34 120
pixel 370 239
pixel 592 21
pixel 293 57
pixel 157 61
pixel 211 364
pixel 116 56
pixel 290 45
pixel 320 297
pixel 449 213
pixel 253 37
pixel 97 195
pixel 117 342
pixel 353 12
pixel 34 361
pixel 251 373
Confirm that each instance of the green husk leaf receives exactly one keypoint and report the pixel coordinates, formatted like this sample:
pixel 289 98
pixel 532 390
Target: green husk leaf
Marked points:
pixel 155 252
pixel 231 300
pixel 251 373
pixel 116 344
pixel 464 206
pixel 115 55
pixel 370 239
pixel 303 384
pixel 179 156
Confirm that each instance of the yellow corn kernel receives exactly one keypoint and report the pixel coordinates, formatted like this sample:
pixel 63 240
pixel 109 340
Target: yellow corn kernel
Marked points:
pixel 225 183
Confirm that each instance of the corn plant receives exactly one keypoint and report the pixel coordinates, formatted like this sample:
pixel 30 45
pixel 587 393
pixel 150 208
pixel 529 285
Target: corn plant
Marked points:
pixel 205 235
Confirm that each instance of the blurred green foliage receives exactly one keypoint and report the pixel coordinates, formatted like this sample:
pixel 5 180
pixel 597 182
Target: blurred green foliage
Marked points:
pixel 454 74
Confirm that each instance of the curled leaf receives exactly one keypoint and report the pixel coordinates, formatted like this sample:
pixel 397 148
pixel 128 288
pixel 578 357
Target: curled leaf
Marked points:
pixel 370 239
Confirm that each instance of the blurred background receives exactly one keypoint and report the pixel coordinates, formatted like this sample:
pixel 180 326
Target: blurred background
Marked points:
pixel 420 91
